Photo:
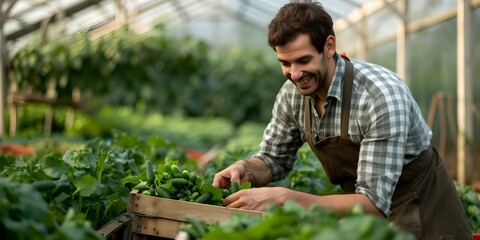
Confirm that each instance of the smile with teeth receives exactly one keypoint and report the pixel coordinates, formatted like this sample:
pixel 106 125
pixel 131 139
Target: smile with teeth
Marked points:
pixel 305 79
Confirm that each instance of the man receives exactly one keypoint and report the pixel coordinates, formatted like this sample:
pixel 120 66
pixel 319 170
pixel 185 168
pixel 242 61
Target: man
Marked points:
pixel 362 123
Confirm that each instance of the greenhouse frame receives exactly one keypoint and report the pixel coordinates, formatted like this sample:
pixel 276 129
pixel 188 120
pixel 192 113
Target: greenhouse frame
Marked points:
pixel 433 45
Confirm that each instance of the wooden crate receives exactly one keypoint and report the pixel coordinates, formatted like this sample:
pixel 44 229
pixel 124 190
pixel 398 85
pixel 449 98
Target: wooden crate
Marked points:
pixel 118 228
pixel 161 217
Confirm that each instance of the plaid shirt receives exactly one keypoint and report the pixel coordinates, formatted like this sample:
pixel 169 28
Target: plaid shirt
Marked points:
pixel 384 119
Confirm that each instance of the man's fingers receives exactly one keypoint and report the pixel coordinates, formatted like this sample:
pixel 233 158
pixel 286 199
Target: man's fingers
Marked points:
pixel 232 200
pixel 235 176
pixel 220 181
pixel 216 182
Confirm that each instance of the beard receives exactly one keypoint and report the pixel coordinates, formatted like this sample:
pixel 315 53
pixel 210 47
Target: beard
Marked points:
pixel 311 83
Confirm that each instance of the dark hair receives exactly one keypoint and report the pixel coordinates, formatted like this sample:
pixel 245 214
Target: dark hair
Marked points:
pixel 300 17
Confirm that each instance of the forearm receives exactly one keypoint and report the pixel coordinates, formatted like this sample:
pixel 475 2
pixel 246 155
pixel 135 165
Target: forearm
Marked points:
pixel 338 202
pixel 257 171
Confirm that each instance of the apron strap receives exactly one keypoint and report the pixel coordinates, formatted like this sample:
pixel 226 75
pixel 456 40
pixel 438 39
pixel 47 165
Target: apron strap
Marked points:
pixel 308 124
pixel 346 101
pixel 347 96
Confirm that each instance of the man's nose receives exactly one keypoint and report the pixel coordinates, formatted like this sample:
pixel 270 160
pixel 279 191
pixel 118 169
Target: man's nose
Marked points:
pixel 295 73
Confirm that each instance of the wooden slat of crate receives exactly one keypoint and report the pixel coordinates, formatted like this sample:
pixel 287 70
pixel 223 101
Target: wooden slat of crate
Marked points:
pixel 161 217
pixel 177 210
pixel 118 228
pixel 155 226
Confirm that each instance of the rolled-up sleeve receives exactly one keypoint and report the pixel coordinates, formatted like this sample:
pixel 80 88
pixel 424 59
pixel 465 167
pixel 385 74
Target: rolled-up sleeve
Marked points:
pixel 282 136
pixel 382 150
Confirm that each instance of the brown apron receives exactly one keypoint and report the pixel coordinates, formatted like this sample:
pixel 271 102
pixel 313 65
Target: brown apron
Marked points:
pixel 425 201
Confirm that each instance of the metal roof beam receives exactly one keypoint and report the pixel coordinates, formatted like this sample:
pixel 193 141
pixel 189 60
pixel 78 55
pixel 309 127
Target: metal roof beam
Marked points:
pixel 390 6
pixel 358 14
pixel 36 25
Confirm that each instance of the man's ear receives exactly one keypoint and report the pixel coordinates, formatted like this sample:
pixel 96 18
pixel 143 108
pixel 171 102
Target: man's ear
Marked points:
pixel 330 46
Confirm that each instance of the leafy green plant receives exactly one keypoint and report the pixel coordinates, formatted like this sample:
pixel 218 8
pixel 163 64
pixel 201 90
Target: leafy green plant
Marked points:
pixel 25 215
pixel 471 204
pixel 168 180
pixel 88 180
pixel 291 221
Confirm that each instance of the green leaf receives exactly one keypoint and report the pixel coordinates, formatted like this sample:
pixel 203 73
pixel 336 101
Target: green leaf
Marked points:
pixel 131 179
pixel 245 185
pixel 54 167
pixel 80 159
pixel 217 192
pixel 85 185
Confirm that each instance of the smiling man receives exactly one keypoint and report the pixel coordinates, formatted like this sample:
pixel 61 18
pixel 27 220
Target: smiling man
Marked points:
pixel 363 124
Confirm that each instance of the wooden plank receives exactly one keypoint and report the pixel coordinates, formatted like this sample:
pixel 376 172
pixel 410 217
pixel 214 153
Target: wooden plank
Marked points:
pixel 162 217
pixel 161 227
pixel 177 210
pixel 118 228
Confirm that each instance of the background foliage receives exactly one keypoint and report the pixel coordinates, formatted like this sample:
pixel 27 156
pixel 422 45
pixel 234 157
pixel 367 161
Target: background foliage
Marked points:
pixel 167 75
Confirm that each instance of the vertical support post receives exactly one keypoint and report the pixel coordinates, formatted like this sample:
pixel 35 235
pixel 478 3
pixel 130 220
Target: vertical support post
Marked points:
pixel 402 43
pixel 5 9
pixel 363 43
pixel 3 84
pixel 464 92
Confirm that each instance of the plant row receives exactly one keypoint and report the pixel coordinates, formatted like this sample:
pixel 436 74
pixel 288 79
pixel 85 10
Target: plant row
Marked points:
pixel 89 180
pixel 169 75
pixel 292 221
pixel 85 188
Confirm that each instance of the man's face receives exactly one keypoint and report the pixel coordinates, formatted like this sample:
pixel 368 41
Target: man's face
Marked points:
pixel 303 64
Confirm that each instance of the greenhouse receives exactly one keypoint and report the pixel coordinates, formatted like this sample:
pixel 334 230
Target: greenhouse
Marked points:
pixel 218 119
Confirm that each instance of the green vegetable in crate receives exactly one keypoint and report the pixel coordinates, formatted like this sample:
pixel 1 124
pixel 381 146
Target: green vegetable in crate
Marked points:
pixel 234 187
pixel 179 181
pixel 225 193
pixel 171 181
pixel 194 195
pixel 175 169
pixel 150 174
pixel 166 176
pixel 193 178
pixel 186 174
pixel 204 197
pixel 162 192
pixel 167 167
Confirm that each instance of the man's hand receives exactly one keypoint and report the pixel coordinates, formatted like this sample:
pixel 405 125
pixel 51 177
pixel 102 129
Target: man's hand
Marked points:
pixel 255 198
pixel 235 172
pixel 253 170
pixel 260 198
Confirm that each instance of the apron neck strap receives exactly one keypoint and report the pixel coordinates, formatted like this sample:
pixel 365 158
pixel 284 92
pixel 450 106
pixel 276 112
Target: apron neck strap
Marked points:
pixel 346 96
pixel 346 101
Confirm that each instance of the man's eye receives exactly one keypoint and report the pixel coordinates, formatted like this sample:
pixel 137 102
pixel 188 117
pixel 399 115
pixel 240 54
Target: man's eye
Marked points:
pixel 303 61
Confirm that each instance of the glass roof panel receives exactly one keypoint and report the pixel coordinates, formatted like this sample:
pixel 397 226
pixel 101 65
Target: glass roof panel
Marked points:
pixel 181 16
